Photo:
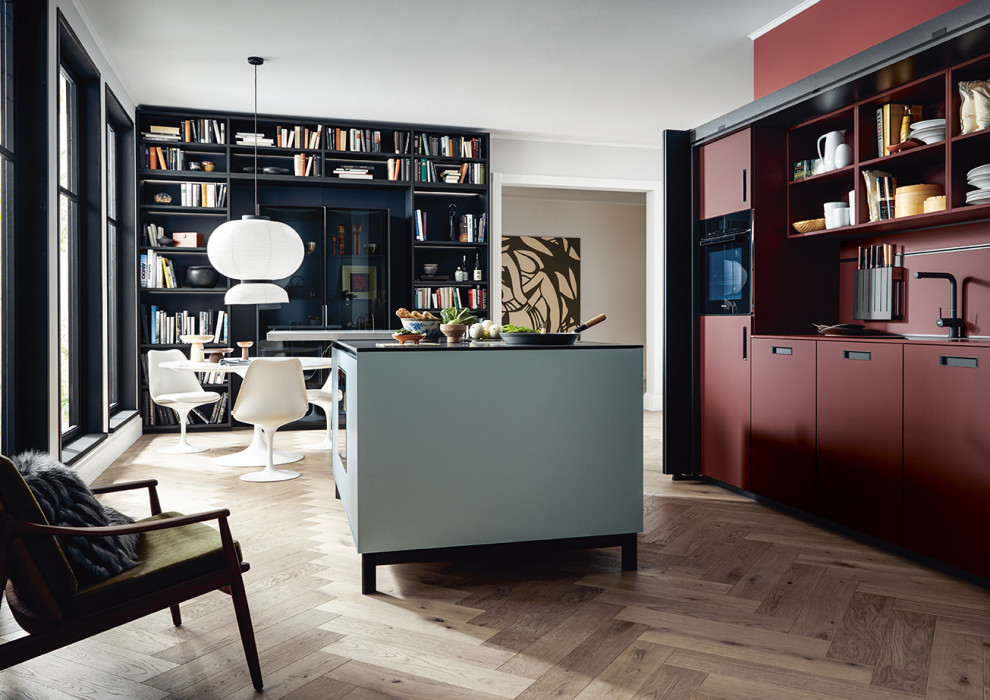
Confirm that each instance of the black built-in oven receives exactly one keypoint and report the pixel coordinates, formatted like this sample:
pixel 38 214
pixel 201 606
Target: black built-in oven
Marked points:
pixel 724 248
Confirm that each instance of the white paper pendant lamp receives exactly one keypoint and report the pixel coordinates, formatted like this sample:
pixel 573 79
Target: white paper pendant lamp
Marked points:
pixel 255 249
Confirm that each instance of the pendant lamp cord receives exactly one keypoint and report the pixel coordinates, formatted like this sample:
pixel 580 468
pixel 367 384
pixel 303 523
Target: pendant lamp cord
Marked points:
pixel 257 211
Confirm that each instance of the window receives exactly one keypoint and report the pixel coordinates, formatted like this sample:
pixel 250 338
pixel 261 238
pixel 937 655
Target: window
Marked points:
pixel 69 310
pixel 6 179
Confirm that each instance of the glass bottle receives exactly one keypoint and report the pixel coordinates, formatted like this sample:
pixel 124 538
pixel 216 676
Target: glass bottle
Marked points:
pixel 460 274
pixel 477 267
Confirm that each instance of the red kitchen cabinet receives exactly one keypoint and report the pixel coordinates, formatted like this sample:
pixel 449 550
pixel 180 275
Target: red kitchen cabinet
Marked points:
pixel 859 436
pixel 782 436
pixel 725 174
pixel 725 398
pixel 947 454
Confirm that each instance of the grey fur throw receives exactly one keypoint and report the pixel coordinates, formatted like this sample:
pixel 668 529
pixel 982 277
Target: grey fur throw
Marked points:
pixel 66 500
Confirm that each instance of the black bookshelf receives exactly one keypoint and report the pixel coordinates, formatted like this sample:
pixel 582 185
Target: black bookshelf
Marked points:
pixel 329 163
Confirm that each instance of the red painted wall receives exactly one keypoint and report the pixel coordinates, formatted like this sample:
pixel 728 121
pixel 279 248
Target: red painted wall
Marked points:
pixel 831 31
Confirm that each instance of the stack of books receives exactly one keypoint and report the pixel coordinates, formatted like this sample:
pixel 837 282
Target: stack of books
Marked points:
pixel 246 138
pixel 354 172
pixel 161 133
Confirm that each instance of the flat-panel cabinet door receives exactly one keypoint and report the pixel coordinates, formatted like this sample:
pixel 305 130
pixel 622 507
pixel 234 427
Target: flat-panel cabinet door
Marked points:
pixel 782 441
pixel 859 436
pixel 725 175
pixel 725 398
pixel 947 454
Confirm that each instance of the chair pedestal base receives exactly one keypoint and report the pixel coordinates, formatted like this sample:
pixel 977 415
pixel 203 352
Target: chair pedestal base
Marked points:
pixel 256 454
pixel 183 448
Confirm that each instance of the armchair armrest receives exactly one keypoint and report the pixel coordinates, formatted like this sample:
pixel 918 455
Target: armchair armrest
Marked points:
pixel 26 528
pixel 149 484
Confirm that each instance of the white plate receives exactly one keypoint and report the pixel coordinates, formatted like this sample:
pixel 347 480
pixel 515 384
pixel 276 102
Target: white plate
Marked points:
pixel 979 170
pixel 929 137
pixel 981 197
pixel 928 124
pixel 980 181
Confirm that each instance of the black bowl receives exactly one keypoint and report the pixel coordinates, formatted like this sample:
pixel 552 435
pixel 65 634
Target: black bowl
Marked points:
pixel 201 276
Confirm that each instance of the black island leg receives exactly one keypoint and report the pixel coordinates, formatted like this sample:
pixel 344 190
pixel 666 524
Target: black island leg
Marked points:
pixel 629 558
pixel 368 564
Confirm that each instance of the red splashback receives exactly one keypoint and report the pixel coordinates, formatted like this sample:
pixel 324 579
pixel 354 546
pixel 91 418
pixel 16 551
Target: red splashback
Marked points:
pixel 830 31
pixel 945 250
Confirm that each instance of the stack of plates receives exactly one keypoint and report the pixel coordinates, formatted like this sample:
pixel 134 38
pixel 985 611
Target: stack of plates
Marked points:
pixel 979 177
pixel 929 131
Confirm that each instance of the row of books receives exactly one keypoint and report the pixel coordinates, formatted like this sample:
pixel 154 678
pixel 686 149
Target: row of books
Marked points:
pixel 361 140
pixel 466 173
pixel 168 158
pixel 471 228
pixel 153 232
pixel 419 224
pixel 305 165
pixel 158 272
pixel 891 126
pixel 190 131
pixel 215 413
pixel 166 327
pixel 449 146
pixel 298 137
pixel 212 195
pixel 447 297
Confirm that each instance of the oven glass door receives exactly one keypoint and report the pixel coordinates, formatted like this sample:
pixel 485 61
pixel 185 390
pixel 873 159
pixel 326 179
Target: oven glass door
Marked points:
pixel 725 287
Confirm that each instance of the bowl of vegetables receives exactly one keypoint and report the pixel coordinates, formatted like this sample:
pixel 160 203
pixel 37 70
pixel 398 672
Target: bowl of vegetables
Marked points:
pixel 404 336
pixel 455 323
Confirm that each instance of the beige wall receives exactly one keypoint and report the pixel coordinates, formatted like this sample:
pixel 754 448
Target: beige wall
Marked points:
pixel 613 252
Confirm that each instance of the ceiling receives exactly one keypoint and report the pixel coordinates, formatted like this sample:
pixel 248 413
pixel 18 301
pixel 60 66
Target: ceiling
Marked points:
pixel 590 71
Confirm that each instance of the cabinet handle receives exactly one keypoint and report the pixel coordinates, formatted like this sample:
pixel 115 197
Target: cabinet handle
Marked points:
pixel 744 343
pixel 950 361
pixel 781 350
pixel 744 184
pixel 855 355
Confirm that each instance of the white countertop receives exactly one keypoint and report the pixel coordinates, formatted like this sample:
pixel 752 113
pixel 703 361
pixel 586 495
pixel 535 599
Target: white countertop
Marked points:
pixel 323 334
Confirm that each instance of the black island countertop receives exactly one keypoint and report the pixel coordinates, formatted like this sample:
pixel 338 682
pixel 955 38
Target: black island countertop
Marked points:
pixel 391 345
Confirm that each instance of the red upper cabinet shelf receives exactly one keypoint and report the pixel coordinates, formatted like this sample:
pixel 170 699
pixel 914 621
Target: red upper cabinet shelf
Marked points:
pixel 725 172
pixel 944 163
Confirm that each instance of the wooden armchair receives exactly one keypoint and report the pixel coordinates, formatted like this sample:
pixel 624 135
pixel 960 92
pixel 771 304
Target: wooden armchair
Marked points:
pixel 180 558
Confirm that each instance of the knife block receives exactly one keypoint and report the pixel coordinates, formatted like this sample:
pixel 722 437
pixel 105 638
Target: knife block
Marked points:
pixel 878 294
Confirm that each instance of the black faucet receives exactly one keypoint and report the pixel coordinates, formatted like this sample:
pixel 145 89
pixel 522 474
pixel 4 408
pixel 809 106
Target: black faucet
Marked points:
pixel 956 325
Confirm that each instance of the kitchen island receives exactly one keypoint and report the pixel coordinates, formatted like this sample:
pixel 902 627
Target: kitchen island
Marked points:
pixel 452 450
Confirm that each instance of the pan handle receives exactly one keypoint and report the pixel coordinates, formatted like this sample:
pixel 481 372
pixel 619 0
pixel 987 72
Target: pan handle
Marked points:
pixel 588 324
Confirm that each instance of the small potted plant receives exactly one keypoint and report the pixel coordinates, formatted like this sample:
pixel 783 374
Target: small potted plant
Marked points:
pixel 455 323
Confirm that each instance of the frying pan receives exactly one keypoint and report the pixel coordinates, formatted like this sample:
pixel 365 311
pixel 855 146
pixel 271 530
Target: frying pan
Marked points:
pixel 550 338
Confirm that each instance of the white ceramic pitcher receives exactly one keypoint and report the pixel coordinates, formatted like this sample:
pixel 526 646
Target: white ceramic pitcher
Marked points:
pixel 832 141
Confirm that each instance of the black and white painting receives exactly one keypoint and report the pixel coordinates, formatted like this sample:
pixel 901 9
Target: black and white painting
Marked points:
pixel 540 282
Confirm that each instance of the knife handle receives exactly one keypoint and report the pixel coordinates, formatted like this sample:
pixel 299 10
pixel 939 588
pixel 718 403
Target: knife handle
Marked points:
pixel 588 324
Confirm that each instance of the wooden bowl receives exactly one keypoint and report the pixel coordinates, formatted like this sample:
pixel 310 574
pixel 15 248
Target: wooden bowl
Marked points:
pixel 404 338
pixel 809 225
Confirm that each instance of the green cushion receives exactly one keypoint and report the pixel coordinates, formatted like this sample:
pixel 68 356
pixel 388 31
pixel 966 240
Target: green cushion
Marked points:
pixel 167 557
pixel 38 569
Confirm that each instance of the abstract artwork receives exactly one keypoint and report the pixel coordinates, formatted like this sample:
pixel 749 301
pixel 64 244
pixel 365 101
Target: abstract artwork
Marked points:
pixel 540 282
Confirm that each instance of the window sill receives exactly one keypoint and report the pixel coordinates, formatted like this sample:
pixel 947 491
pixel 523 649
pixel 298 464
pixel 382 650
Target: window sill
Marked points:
pixel 121 417
pixel 78 447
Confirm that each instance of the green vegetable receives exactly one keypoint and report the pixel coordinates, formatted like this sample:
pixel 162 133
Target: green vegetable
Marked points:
pixel 452 315
pixel 509 328
pixel 403 331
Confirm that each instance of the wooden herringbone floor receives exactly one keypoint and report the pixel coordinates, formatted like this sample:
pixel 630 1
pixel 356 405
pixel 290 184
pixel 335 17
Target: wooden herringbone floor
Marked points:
pixel 732 600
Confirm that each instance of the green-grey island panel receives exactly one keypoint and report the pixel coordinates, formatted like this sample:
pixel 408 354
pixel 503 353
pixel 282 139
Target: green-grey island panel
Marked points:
pixel 483 443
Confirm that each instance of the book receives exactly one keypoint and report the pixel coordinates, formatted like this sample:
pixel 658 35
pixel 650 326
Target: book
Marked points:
pixel 218 330
pixel 164 130
pixel 891 117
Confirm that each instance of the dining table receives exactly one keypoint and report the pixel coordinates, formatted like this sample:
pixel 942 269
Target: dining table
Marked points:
pixel 256 453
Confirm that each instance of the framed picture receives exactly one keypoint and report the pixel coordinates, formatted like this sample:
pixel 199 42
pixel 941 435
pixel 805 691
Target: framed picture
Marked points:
pixel 360 280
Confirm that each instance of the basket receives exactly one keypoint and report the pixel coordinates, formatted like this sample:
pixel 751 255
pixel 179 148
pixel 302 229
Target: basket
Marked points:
pixel 809 225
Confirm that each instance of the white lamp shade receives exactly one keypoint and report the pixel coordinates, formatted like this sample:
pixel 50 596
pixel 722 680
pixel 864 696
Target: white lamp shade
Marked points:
pixel 255 249
pixel 256 293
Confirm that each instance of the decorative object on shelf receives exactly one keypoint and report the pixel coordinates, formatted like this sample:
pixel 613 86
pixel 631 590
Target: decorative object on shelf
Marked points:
pixel 430 268
pixel 453 214
pixel 208 166
pixel 297 289
pixel 163 198
pixel 255 249
pixel 832 140
pixel 195 166
pixel 843 155
pixel 310 247
pixel 216 354
pixel 245 345
pixel 370 248
pixel 809 225
pixel 187 239
pixel 165 242
pixel 196 346
pixel 201 276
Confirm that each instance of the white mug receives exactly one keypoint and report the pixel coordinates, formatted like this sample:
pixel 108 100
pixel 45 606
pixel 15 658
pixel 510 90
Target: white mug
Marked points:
pixel 832 214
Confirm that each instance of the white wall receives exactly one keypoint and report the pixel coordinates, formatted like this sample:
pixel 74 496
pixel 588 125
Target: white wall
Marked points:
pixel 526 157
pixel 613 253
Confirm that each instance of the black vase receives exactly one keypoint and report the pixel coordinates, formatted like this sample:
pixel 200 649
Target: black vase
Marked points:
pixel 201 276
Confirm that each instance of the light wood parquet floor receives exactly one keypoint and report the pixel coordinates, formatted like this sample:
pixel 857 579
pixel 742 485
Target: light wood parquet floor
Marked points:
pixel 731 600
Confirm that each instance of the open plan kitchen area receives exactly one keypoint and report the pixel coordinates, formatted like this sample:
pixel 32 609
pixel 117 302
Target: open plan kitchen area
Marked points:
pixel 514 350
